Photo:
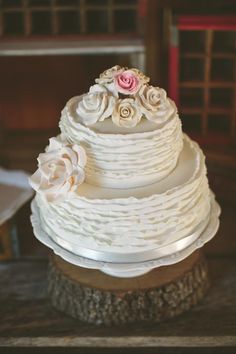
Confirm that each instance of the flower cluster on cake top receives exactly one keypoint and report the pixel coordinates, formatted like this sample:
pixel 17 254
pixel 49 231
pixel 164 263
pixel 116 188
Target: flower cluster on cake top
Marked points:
pixel 125 96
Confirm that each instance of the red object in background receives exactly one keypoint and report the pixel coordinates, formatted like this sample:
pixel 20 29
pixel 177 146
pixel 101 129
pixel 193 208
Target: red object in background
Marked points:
pixel 191 23
pixel 194 23
pixel 142 8
pixel 199 23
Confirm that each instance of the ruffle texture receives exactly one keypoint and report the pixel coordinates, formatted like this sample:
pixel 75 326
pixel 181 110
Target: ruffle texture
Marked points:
pixel 125 160
pixel 132 224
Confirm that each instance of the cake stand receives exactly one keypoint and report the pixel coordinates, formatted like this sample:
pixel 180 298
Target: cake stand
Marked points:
pixel 154 290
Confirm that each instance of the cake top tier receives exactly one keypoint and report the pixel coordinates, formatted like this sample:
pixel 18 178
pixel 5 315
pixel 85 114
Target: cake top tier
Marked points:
pixel 123 133
pixel 124 96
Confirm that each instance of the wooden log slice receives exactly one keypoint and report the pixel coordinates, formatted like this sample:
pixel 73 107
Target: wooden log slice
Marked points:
pixel 94 297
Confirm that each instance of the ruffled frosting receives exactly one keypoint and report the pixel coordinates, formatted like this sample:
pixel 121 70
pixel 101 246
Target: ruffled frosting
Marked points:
pixel 131 223
pixel 125 160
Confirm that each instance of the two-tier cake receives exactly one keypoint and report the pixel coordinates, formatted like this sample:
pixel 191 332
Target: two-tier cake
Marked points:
pixel 122 183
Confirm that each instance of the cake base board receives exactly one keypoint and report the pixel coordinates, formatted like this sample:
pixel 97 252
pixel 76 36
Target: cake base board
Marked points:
pixel 94 297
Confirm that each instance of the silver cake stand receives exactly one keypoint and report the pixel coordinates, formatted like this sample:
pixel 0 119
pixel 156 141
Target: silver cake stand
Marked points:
pixel 131 269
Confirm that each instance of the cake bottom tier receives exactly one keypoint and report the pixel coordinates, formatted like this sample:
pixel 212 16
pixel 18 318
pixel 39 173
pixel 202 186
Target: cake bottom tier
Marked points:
pixel 118 225
pixel 132 265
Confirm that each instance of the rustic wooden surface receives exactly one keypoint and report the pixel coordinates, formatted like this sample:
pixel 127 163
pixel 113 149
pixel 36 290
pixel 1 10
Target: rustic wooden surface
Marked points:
pixel 94 297
pixel 28 320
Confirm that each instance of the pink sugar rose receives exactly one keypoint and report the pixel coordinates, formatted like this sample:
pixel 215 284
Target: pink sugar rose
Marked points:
pixel 127 82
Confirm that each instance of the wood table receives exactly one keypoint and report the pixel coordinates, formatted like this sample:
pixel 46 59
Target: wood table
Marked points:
pixel 29 324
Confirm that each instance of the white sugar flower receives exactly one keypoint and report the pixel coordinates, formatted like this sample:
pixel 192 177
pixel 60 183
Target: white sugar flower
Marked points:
pixel 108 88
pixel 60 170
pixel 108 75
pixel 95 106
pixel 126 113
pixel 154 103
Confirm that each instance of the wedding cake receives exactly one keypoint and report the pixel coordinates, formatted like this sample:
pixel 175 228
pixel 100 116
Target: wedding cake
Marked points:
pixel 122 183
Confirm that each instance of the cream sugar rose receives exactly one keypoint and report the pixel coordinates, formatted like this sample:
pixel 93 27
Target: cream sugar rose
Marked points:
pixel 121 179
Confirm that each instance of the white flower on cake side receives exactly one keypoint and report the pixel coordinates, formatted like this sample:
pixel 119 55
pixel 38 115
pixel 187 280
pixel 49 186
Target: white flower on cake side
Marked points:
pixel 60 170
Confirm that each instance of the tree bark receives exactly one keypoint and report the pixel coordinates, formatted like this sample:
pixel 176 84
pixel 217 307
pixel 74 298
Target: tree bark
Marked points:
pixel 94 297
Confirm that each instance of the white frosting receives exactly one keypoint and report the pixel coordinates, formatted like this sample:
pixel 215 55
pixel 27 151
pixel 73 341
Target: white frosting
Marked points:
pixel 95 106
pixel 133 220
pixel 145 190
pixel 121 158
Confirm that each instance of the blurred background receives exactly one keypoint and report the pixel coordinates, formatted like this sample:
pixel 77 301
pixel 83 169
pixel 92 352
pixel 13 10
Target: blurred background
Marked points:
pixel 51 50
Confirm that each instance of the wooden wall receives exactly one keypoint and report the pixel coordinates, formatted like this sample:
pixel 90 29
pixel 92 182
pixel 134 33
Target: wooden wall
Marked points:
pixel 33 90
